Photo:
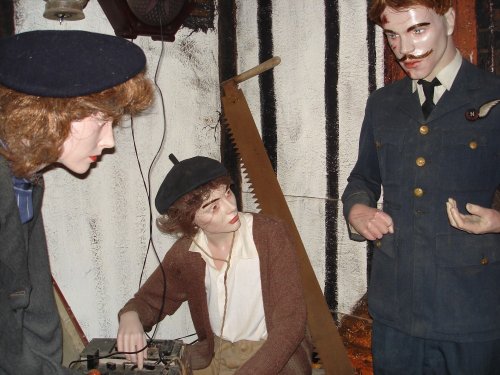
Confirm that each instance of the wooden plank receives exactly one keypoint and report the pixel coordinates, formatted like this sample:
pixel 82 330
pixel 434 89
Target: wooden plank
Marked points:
pixel 74 340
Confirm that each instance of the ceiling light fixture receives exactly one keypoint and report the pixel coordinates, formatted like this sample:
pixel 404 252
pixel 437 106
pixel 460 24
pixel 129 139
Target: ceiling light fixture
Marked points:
pixel 71 10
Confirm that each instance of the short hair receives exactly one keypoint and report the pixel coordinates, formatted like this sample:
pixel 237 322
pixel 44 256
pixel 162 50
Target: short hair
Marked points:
pixel 179 218
pixel 377 7
pixel 34 128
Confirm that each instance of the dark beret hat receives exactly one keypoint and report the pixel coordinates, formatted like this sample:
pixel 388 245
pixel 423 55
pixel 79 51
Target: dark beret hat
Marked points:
pixel 67 63
pixel 184 177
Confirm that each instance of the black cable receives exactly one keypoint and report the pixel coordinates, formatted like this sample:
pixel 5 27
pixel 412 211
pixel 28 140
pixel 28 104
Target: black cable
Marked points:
pixel 151 242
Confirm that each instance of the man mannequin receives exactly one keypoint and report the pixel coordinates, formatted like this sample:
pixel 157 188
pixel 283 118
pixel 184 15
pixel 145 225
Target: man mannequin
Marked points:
pixel 433 288
pixel 60 94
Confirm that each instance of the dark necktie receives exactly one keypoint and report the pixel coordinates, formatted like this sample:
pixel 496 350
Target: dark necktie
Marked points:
pixel 428 88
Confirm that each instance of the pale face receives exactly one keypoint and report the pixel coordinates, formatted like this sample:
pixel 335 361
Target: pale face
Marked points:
pixel 421 39
pixel 85 143
pixel 218 214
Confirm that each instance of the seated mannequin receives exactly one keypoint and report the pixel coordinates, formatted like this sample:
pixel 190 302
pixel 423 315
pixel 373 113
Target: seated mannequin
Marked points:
pixel 237 271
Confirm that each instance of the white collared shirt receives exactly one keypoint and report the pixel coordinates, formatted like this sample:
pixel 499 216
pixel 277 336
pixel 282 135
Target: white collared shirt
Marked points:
pixel 245 318
pixel 446 76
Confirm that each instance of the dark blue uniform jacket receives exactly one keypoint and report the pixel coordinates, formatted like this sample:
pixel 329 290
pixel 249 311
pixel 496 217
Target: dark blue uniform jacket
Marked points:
pixel 429 279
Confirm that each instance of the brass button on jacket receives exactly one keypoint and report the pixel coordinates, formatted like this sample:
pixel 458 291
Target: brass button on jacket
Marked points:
pixel 473 145
pixel 378 244
pixel 484 261
pixel 424 129
pixel 418 192
pixel 420 161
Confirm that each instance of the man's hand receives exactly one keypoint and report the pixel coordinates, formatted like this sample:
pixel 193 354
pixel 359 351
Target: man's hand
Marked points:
pixel 131 337
pixel 481 220
pixel 370 222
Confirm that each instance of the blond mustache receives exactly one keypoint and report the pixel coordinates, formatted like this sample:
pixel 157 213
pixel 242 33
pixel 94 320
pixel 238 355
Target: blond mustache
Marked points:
pixel 414 57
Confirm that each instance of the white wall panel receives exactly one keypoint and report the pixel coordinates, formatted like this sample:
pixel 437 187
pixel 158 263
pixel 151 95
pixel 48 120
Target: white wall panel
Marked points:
pixel 353 92
pixel 298 30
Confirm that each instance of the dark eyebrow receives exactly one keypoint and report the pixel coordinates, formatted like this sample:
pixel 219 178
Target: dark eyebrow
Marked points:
pixel 214 200
pixel 209 203
pixel 411 28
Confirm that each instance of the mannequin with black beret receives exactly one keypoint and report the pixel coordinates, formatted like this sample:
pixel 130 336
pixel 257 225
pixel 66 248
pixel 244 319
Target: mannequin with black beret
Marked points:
pixel 61 93
pixel 237 271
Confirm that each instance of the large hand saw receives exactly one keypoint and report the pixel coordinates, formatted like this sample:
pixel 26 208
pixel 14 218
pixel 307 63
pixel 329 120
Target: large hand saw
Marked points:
pixel 271 200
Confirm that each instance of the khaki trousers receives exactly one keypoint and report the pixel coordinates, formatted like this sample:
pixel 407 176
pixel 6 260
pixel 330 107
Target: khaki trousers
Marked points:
pixel 229 356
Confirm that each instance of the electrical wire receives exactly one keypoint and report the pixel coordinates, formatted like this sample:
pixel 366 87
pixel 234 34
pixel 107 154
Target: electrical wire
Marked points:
pixel 147 188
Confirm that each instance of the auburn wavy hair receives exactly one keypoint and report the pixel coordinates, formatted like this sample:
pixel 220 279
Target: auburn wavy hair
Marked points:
pixel 179 219
pixel 377 7
pixel 34 128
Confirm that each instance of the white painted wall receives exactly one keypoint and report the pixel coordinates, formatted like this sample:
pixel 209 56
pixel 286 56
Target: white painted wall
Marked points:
pixel 98 227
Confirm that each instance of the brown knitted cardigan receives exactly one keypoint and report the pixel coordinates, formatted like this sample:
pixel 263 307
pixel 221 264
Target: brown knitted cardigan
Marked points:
pixel 287 349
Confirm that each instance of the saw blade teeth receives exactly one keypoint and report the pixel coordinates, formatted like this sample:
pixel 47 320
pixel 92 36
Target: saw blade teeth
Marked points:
pixel 243 168
pixel 245 176
pixel 223 119
pixel 227 126
pixel 251 192
pixel 235 145
pixel 247 183
pixel 235 148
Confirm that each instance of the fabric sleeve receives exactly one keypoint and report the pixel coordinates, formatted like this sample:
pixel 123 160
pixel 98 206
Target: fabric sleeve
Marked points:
pixel 162 293
pixel 364 182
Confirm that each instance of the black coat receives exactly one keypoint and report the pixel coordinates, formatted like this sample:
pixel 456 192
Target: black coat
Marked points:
pixel 30 330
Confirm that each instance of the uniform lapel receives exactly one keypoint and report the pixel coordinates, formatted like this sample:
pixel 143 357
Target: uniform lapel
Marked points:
pixel 408 101
pixel 460 93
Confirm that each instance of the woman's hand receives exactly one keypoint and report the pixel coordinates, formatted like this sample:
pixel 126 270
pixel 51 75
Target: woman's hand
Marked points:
pixel 131 337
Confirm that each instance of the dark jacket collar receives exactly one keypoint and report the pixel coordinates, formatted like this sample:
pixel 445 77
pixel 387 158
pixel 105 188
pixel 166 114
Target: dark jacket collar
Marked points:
pixel 459 95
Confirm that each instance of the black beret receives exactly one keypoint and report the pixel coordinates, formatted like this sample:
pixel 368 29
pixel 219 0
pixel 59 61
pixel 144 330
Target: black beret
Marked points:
pixel 184 177
pixel 67 63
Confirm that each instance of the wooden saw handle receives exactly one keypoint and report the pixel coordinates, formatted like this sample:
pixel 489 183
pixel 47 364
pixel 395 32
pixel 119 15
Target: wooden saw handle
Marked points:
pixel 256 70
